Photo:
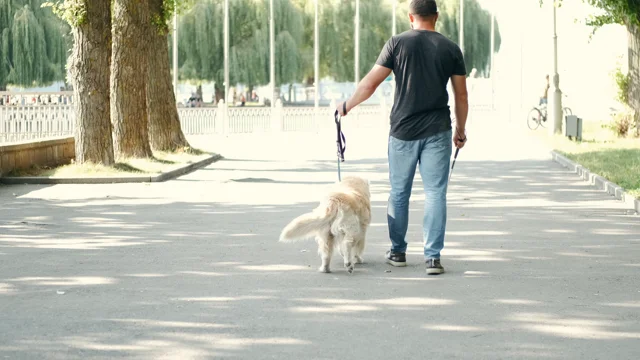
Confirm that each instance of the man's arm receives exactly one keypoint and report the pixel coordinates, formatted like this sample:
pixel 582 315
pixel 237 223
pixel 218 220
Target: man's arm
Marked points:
pixel 366 87
pixel 459 84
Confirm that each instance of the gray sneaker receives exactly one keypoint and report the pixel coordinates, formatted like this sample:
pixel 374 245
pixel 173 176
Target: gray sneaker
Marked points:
pixel 434 267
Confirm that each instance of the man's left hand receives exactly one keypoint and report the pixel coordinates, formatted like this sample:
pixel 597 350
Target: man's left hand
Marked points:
pixel 342 108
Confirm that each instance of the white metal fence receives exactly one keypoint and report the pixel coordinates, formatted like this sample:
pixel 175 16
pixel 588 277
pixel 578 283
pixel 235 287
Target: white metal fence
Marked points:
pixel 20 123
pixel 23 123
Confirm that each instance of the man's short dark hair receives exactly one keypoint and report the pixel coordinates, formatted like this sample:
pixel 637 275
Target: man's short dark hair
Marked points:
pixel 423 8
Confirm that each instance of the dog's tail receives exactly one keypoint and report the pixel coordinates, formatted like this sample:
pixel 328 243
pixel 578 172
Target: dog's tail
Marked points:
pixel 309 224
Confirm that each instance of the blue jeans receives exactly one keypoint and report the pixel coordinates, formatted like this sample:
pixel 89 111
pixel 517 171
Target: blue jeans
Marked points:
pixel 433 157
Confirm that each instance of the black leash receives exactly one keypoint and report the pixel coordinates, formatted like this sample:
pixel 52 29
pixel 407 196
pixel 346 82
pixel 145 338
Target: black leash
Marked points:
pixel 454 163
pixel 341 142
pixel 456 154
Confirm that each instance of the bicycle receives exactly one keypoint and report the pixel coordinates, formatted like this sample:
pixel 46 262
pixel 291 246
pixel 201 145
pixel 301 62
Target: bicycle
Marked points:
pixel 538 116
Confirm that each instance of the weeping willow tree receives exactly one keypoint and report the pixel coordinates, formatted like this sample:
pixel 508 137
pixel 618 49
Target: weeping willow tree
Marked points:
pixel 477 32
pixel 201 38
pixel 201 43
pixel 33 44
pixel 337 33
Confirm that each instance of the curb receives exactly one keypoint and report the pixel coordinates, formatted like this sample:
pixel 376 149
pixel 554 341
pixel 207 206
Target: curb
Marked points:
pixel 172 174
pixel 598 181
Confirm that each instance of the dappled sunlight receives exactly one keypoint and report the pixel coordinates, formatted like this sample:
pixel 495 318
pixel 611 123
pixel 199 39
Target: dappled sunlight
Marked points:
pixel 472 273
pixel 68 243
pixel 413 279
pixel 147 275
pixel 149 323
pixel 477 233
pixel 192 268
pixel 223 298
pixel 454 328
pixel 627 304
pixel 456 254
pixel 226 263
pixel 65 281
pixel 616 231
pixel 334 309
pixel 517 302
pixel 90 343
pixel 583 255
pixel 202 273
pixel 7 288
pixel 393 302
pixel 273 267
pixel 573 328
pixel 382 225
pixel 559 231
pixel 175 342
pixel 545 258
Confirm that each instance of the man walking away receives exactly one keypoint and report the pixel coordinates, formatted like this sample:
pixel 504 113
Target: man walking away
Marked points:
pixel 422 61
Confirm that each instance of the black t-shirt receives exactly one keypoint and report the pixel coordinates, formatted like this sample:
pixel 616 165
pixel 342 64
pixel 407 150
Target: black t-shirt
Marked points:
pixel 422 61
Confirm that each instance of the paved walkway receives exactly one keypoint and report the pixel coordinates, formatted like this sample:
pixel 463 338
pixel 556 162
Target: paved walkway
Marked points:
pixel 539 265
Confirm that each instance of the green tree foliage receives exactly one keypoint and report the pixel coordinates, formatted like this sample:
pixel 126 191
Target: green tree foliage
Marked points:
pixel 477 32
pixel 201 42
pixel 627 13
pixel 34 44
pixel 623 12
pixel 201 38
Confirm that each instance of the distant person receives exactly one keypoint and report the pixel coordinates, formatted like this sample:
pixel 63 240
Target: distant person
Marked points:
pixel 421 134
pixel 545 92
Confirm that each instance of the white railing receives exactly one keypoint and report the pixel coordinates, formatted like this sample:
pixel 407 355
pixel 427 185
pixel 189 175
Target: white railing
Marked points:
pixel 199 121
pixel 300 119
pixel 247 120
pixel 34 98
pixel 20 123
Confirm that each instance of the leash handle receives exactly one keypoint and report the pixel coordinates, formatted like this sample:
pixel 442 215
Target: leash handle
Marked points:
pixel 454 163
pixel 341 141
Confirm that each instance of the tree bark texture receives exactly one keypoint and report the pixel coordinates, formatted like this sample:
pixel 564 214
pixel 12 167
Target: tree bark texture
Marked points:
pixel 89 73
pixel 129 73
pixel 165 132
pixel 633 36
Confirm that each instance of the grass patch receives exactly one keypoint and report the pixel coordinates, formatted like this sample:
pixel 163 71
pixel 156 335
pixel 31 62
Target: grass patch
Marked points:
pixel 161 161
pixel 600 151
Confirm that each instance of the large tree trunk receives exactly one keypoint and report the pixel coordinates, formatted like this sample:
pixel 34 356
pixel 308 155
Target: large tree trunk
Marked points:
pixel 633 36
pixel 89 73
pixel 129 71
pixel 165 132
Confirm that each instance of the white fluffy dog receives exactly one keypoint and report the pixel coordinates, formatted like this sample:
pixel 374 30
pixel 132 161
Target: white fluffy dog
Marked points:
pixel 341 220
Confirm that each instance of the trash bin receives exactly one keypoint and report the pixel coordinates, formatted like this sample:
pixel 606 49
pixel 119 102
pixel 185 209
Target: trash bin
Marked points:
pixel 573 127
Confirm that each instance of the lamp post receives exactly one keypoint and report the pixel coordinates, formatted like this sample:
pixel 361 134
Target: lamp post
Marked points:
pixel 556 99
pixel 357 43
pixel 493 49
pixel 175 54
pixel 226 51
pixel 272 58
pixel 316 59
pixel 461 25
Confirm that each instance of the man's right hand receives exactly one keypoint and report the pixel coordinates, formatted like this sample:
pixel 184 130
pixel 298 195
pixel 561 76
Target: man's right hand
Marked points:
pixel 459 138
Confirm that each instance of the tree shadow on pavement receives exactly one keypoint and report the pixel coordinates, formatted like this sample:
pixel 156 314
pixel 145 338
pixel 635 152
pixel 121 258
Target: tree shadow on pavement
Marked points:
pixel 533 271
